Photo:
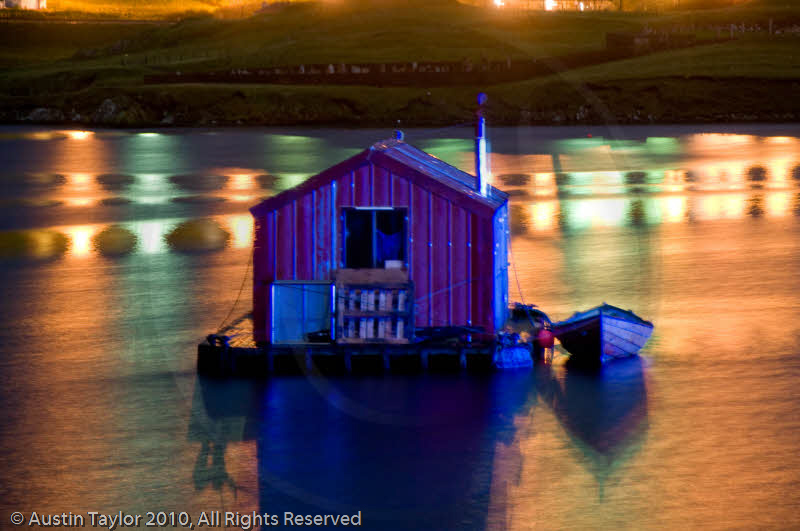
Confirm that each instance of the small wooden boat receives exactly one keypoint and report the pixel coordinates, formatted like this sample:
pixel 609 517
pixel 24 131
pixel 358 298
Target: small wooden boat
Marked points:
pixel 601 334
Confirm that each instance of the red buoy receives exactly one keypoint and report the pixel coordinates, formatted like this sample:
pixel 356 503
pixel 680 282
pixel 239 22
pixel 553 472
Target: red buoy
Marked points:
pixel 545 338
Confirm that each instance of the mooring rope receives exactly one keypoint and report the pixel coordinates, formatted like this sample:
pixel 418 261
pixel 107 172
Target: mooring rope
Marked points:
pixel 238 296
pixel 519 288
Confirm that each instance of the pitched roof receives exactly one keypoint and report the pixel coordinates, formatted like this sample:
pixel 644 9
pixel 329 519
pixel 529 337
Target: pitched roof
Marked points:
pixel 406 161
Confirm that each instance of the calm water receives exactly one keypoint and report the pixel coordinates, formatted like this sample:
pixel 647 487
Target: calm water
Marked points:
pixel 696 229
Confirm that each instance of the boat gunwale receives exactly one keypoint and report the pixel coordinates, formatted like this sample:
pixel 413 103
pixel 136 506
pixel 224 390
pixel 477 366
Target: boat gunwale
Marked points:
pixel 580 317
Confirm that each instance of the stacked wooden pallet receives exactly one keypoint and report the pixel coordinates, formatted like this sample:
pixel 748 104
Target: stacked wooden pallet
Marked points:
pixel 374 306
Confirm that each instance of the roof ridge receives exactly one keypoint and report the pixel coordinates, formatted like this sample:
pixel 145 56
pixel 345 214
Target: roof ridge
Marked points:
pixel 387 153
pixel 443 169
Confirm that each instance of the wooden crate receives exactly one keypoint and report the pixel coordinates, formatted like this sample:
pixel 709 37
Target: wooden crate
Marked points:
pixel 374 306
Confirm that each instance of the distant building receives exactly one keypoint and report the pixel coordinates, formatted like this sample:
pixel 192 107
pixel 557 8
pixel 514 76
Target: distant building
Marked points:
pixel 25 4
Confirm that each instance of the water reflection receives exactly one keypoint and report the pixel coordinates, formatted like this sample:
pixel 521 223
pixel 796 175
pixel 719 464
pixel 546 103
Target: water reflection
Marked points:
pixel 698 162
pixel 225 413
pixel 151 235
pixel 604 414
pixel 573 184
pixel 97 349
pixel 267 181
pixel 241 181
pixel 147 237
pixel 29 183
pixel 598 212
pixel 80 240
pixel 407 452
pixel 198 235
pixel 115 181
pixel 538 217
pixel 114 241
pixel 199 183
pixel 604 411
pixel 410 453
pixel 241 229
pixel 36 244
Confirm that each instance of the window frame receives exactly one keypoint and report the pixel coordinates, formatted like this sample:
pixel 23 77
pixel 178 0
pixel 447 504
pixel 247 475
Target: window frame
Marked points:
pixel 374 210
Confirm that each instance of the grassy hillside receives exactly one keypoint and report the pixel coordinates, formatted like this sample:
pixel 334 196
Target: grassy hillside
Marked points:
pixel 72 69
pixel 316 33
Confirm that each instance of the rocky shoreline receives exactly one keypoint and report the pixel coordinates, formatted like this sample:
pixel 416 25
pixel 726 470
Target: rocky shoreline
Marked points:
pixel 664 101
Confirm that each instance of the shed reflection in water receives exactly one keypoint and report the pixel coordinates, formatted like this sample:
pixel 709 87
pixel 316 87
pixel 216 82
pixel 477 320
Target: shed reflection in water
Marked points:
pixel 409 453
pixel 223 411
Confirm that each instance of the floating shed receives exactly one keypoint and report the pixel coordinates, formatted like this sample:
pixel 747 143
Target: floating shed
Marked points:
pixel 391 217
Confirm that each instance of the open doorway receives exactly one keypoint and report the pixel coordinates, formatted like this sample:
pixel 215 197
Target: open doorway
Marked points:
pixel 302 312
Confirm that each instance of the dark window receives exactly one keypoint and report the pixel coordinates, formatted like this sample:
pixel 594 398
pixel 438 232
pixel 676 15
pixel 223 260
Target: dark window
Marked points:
pixel 373 236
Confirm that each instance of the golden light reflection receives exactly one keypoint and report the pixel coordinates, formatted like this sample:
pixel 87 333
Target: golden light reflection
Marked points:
pixel 543 215
pixel 779 204
pixel 79 201
pixel 80 239
pixel 550 5
pixel 79 135
pixel 36 243
pixel 545 184
pixel 242 181
pixel 593 213
pixel 82 190
pixel 720 206
pixel 782 140
pixel 243 198
pixel 41 135
pixel 778 172
pixel 715 140
pixel 673 180
pixel 79 182
pixel 721 175
pixel 241 227
pixel 675 209
pixel 78 152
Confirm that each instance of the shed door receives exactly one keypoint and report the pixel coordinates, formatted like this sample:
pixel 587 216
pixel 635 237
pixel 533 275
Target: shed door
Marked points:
pixel 301 312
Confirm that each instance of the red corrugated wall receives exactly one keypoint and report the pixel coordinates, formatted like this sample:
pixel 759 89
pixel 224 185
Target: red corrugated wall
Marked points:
pixel 449 250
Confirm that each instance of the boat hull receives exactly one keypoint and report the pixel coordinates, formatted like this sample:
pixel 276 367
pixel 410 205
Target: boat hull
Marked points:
pixel 602 334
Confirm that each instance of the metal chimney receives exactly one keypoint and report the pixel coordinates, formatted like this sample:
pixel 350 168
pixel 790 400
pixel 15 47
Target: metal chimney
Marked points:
pixel 481 164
